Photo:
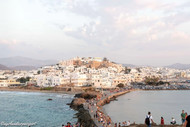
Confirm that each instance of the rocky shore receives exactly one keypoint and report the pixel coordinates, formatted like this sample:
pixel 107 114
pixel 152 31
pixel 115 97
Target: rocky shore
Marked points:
pixel 83 115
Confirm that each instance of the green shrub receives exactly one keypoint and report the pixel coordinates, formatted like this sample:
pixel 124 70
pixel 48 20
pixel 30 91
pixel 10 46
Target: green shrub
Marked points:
pixel 47 88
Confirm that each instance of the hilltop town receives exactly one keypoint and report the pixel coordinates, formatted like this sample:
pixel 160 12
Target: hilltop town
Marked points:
pixel 98 73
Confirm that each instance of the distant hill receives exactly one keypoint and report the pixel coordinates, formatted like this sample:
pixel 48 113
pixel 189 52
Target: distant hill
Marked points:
pixel 2 67
pixel 26 68
pixel 179 66
pixel 129 65
pixel 24 62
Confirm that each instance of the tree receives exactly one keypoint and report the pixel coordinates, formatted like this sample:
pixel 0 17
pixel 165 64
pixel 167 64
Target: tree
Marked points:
pixel 28 78
pixel 139 70
pixel 127 70
pixel 38 72
pixel 120 85
pixel 105 59
pixel 151 80
pixel 160 83
pixel 23 80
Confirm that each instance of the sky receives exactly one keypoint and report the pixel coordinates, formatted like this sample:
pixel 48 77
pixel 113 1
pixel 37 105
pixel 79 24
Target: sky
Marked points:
pixel 140 32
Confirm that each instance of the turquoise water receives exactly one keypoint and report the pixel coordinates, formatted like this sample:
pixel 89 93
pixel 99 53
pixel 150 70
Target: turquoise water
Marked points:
pixel 31 107
pixel 135 105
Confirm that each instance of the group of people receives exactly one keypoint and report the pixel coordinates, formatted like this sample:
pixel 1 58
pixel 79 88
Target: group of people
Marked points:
pixel 185 119
pixel 97 112
pixel 125 123
pixel 94 106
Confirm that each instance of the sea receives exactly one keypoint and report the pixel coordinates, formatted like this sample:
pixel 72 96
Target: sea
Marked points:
pixel 135 105
pixel 34 108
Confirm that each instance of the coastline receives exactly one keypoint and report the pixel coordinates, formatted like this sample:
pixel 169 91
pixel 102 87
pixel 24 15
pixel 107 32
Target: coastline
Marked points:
pixel 103 101
pixel 84 109
pixel 93 108
pixel 75 92
pixel 38 90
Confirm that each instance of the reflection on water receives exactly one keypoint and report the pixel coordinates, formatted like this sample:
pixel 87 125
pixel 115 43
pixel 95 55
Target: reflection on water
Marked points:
pixel 135 105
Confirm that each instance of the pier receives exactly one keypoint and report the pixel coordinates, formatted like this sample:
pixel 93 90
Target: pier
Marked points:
pixel 96 110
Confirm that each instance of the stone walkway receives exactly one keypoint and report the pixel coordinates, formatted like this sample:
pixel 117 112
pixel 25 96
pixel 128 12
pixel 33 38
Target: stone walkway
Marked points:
pixel 93 108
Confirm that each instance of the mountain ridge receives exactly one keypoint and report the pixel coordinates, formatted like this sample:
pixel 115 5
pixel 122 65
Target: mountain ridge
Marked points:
pixel 25 63
pixel 179 66
pixel 3 67
pixel 19 61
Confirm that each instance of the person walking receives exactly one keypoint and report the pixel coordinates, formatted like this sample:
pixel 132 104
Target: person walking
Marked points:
pixel 187 121
pixel 149 119
pixel 119 124
pixel 162 121
pixel 183 117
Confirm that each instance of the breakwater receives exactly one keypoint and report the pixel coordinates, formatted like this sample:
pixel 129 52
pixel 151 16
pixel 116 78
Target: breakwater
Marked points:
pixel 111 97
pixel 90 110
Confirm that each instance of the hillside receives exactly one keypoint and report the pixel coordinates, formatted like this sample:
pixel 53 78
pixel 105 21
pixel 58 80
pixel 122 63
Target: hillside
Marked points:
pixel 26 68
pixel 129 65
pixel 2 67
pixel 179 66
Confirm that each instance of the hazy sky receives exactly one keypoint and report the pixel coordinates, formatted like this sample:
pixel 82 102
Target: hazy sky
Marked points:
pixel 142 32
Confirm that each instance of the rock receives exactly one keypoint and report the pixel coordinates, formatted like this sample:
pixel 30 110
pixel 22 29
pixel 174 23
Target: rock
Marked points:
pixel 77 103
pixel 78 95
pixel 84 118
pixel 86 95
pixel 83 115
pixel 68 89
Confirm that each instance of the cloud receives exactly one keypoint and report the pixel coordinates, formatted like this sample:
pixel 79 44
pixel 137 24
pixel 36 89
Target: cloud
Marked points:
pixel 60 26
pixel 180 37
pixel 84 7
pixel 9 43
pixel 111 28
pixel 135 27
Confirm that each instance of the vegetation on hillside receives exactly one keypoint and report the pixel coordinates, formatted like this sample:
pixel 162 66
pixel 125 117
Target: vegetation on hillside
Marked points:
pixel 120 85
pixel 47 88
pixel 23 79
pixel 127 70
pixel 154 81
